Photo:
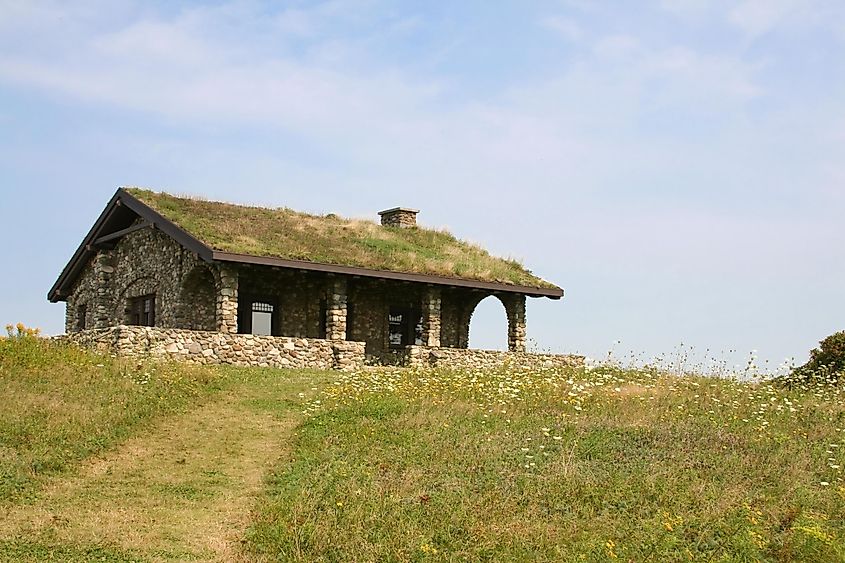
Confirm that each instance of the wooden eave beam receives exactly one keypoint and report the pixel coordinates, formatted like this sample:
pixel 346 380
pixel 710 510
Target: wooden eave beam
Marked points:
pixel 123 232
pixel 165 225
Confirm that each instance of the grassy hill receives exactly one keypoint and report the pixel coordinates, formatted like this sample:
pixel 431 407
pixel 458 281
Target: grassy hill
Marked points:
pixel 578 465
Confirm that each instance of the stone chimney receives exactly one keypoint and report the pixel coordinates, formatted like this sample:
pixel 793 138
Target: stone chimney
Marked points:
pixel 399 217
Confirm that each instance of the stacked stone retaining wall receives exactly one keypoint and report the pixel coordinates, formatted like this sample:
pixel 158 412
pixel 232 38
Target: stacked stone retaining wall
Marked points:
pixel 462 358
pixel 205 347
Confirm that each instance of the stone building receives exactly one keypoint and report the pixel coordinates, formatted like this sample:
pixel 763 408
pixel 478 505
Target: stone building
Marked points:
pixel 180 274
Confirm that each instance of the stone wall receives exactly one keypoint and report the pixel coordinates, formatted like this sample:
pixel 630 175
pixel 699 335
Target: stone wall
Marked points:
pixel 143 262
pixel 460 358
pixel 206 347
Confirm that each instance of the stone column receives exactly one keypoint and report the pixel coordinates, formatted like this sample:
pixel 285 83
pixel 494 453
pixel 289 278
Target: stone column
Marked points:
pixel 464 316
pixel 336 310
pixel 100 308
pixel 226 312
pixel 466 308
pixel 515 308
pixel 70 316
pixel 431 317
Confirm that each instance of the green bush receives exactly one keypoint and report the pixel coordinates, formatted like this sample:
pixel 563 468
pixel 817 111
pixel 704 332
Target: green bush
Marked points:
pixel 827 362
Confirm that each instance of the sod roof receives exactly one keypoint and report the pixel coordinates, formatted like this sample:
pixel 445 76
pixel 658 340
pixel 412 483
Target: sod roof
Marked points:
pixel 330 239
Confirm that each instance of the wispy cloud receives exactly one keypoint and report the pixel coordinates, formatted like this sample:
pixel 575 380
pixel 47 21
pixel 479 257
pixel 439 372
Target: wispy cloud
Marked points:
pixel 566 27
pixel 609 145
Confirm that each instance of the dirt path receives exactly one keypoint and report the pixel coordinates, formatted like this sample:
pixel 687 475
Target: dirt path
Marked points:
pixel 182 490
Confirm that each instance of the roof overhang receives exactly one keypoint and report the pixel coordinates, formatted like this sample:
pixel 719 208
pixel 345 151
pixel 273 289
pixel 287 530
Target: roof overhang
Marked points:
pixel 123 209
pixel 218 256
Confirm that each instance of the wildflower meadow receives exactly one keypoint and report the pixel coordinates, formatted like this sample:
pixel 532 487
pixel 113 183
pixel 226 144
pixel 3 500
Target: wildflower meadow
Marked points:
pixel 110 459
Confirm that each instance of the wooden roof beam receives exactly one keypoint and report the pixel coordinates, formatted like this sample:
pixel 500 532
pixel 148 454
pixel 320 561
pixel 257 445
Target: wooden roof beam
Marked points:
pixel 123 232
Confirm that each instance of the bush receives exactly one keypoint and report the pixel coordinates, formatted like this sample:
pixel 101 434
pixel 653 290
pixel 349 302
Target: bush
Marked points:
pixel 827 362
pixel 20 330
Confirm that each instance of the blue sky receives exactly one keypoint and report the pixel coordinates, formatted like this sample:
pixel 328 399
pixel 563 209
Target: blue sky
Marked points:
pixel 677 166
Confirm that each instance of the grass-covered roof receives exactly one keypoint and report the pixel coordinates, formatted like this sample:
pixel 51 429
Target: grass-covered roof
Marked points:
pixel 329 239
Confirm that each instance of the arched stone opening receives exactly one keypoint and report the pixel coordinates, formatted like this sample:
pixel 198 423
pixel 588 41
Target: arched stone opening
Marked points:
pixel 488 325
pixel 515 312
pixel 198 300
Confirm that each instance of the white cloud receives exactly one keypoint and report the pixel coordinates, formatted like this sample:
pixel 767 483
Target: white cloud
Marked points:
pixel 688 8
pixel 757 17
pixel 576 130
pixel 566 27
pixel 616 46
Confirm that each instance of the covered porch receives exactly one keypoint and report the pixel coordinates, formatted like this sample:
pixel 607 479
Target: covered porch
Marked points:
pixel 387 315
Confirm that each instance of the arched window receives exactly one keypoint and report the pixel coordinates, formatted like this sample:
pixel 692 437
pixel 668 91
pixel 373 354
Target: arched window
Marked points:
pixel 142 310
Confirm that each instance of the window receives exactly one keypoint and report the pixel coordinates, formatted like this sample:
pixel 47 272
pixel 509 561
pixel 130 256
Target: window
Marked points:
pixel 258 315
pixel 81 314
pixel 404 327
pixel 142 310
pixel 418 331
pixel 395 328
pixel 262 318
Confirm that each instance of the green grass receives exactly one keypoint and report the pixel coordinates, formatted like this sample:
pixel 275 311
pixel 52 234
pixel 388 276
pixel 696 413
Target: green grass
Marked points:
pixel 402 465
pixel 63 404
pixel 566 466
pixel 329 239
pixel 25 551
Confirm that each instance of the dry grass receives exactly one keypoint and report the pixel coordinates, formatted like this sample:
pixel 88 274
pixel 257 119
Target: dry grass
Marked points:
pixel 517 465
pixel 284 233
pixel 182 490
pixel 109 460
pixel 70 403
pixel 588 464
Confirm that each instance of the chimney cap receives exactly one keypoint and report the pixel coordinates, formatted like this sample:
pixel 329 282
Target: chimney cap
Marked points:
pixel 398 209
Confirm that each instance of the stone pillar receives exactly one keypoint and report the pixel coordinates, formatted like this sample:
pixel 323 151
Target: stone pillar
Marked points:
pixel 70 317
pixel 465 310
pixel 464 316
pixel 336 310
pixel 515 308
pixel 100 308
pixel 431 317
pixel 226 312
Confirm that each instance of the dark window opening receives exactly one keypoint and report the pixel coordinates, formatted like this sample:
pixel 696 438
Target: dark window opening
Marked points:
pixel 258 315
pixel 418 332
pixel 262 318
pixel 142 310
pixel 404 326
pixel 81 317
pixel 395 328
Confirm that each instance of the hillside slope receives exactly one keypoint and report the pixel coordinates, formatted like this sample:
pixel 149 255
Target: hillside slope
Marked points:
pixel 140 462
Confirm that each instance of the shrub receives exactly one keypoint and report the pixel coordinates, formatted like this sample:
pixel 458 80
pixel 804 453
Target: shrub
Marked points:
pixel 20 330
pixel 827 362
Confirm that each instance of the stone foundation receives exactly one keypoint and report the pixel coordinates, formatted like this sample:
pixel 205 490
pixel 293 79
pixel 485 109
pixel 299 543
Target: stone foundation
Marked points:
pixel 202 347
pixel 462 358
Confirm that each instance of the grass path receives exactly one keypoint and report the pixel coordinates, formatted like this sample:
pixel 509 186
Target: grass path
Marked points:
pixel 182 490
